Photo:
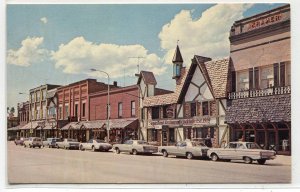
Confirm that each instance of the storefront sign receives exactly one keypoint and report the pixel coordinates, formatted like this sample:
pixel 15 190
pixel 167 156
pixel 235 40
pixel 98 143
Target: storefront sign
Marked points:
pixel 183 122
pixel 264 22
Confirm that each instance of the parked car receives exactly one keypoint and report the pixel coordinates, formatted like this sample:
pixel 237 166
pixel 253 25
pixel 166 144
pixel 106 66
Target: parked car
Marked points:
pixel 134 147
pixel 187 148
pixel 95 145
pixel 33 142
pixel 68 144
pixel 51 142
pixel 20 141
pixel 247 151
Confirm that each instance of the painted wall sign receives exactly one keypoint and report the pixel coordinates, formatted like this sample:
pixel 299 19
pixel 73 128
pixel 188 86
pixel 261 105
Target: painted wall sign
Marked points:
pixel 195 121
pixel 264 22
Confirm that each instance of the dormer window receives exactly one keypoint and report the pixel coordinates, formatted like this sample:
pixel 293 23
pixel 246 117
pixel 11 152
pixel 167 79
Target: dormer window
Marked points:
pixel 176 70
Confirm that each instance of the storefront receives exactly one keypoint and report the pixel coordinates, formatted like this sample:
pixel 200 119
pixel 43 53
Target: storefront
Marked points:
pixel 264 120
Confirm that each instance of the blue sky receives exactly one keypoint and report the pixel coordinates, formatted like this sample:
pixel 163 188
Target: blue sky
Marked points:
pixel 57 44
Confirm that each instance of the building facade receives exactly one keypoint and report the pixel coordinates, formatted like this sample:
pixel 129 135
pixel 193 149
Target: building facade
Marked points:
pixel 73 107
pixel 38 124
pixel 195 110
pixel 23 114
pixel 123 124
pixel 259 101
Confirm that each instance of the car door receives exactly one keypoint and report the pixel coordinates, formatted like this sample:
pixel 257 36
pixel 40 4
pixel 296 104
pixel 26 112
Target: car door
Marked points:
pixel 89 144
pixel 229 152
pixel 240 151
pixel 181 149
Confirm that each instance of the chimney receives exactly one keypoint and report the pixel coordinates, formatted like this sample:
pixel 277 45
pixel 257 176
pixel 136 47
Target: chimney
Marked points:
pixel 115 83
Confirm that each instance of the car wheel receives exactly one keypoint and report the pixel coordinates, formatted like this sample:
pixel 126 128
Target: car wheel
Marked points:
pixel 247 160
pixel 49 146
pixel 40 146
pixel 24 146
pixel 165 153
pixel 57 147
pixel 93 149
pixel 214 157
pixel 189 155
pixel 134 152
pixel 261 161
pixel 118 151
pixel 30 146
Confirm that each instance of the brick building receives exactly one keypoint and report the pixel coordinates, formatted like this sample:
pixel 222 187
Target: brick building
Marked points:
pixel 196 109
pixel 260 101
pixel 73 107
pixel 123 114
pixel 38 103
pixel 23 115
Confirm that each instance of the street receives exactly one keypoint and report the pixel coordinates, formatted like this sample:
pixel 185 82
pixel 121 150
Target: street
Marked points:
pixel 46 165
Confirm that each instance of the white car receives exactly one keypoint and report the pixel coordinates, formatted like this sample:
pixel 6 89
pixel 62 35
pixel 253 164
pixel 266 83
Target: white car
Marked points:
pixel 247 151
pixel 95 145
pixel 134 147
pixel 33 142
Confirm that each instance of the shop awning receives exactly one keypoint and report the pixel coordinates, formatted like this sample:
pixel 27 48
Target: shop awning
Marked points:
pixel 16 128
pixel 98 124
pixel 72 125
pixel 123 123
pixel 275 108
pixel 33 125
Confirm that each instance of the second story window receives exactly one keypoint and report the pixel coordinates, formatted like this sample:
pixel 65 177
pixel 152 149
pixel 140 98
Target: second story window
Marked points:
pixel 165 114
pixel 132 108
pixel 60 112
pixel 242 80
pixel 66 111
pixel 193 109
pixel 205 110
pixel 76 110
pixel 288 73
pixel 155 112
pixel 266 77
pixel 83 109
pixel 120 110
pixel 38 95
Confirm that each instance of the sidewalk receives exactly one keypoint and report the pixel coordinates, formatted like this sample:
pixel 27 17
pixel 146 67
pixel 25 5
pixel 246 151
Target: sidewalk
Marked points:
pixel 283 159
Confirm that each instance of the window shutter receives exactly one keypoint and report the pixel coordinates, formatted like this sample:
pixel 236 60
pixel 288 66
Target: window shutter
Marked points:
pixel 233 81
pixel 250 78
pixel 256 78
pixel 276 75
pixel 282 74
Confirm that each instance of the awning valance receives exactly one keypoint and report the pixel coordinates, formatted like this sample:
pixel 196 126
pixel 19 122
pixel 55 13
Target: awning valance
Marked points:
pixel 16 128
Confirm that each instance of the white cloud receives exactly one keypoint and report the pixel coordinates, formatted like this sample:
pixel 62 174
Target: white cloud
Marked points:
pixel 44 20
pixel 80 55
pixel 205 36
pixel 29 53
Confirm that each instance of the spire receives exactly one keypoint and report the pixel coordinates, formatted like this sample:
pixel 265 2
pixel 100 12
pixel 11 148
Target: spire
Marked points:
pixel 177 56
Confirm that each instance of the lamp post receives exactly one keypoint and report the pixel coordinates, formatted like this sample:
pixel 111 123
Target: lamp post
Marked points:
pixel 31 131
pixel 108 105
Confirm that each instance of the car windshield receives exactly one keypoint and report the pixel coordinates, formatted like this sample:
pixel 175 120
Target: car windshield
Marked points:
pixel 142 142
pixel 198 144
pixel 252 146
pixel 71 140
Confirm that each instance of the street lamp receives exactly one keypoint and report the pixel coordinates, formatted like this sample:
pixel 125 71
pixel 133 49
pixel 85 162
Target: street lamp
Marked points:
pixel 108 105
pixel 31 131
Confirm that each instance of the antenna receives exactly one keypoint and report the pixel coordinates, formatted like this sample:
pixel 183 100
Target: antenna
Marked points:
pixel 138 59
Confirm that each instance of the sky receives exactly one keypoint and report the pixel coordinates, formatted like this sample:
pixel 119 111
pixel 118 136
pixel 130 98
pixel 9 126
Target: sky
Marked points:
pixel 59 44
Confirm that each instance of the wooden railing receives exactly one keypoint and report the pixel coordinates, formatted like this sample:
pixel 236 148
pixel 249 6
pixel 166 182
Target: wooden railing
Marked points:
pixel 260 92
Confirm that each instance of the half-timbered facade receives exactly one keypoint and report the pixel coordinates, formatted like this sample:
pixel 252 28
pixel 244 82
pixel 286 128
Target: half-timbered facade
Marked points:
pixel 196 109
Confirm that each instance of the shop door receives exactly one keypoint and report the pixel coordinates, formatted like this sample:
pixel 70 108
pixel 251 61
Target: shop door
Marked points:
pixel 272 141
pixel 260 139
pixel 164 136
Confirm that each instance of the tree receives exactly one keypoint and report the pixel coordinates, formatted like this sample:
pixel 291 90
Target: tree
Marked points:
pixel 10 111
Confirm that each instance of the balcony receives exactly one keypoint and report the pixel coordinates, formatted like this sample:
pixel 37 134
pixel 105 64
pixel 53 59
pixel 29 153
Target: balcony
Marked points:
pixel 260 92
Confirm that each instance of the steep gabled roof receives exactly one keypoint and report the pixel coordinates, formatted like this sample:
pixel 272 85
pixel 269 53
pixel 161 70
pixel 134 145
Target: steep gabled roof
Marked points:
pixel 148 77
pixel 218 73
pixel 170 98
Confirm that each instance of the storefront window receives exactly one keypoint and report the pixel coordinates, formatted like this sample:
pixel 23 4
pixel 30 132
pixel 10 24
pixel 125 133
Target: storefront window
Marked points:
pixel 242 80
pixel 267 77
pixel 288 73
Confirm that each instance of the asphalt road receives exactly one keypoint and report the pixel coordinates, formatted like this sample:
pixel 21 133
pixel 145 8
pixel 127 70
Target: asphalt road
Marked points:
pixel 46 165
